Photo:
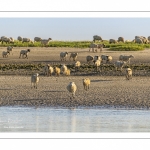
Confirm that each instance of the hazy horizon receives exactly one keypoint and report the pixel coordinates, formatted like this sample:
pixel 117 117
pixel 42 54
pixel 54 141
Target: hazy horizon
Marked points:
pixel 74 29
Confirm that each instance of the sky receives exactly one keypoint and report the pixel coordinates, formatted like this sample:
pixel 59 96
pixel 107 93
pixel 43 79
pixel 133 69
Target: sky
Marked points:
pixel 74 29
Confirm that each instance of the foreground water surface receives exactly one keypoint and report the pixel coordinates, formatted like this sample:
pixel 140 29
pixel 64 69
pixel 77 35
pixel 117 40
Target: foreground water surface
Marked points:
pixel 29 119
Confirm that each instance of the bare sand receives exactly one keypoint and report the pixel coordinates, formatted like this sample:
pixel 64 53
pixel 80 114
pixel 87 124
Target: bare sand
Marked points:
pixel 107 91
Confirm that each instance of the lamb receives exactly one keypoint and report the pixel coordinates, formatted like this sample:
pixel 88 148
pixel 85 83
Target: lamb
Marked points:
pixel 34 80
pixel 57 71
pixel 63 69
pixel 89 59
pixel 68 72
pixel 37 39
pixel 5 54
pixel 73 56
pixel 97 64
pixel 9 49
pixel 45 42
pixel 128 73
pixel 86 83
pixel 119 65
pixel 72 88
pixel 48 70
pixel 63 56
pixel 77 65
pixel 106 58
pixel 125 58
pixel 24 53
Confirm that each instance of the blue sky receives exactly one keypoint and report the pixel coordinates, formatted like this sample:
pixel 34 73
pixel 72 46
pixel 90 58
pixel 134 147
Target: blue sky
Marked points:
pixel 74 28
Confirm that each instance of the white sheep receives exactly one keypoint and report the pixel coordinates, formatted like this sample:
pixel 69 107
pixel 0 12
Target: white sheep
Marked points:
pixel 73 56
pixel 24 53
pixel 77 65
pixel 5 54
pixel 9 49
pixel 48 70
pixel 125 58
pixel 37 39
pixel 119 65
pixel 86 83
pixel 26 40
pixel 97 64
pixel 68 72
pixel 34 80
pixel 63 69
pixel 57 71
pixel 63 56
pixel 106 58
pixel 128 73
pixel 72 88
pixel 45 42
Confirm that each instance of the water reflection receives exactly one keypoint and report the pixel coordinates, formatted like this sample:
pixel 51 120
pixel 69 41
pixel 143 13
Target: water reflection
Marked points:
pixel 24 119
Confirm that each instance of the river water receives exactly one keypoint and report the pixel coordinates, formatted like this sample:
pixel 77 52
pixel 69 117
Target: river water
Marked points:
pixel 47 119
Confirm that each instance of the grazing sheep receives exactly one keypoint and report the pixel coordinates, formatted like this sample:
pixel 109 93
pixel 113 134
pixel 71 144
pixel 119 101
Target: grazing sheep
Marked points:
pixel 119 65
pixel 63 56
pixel 112 41
pixel 106 58
pixel 57 71
pixel 24 53
pixel 93 47
pixel 48 70
pixel 86 83
pixel 34 80
pixel 37 39
pixel 89 59
pixel 125 58
pixel 45 42
pixel 120 39
pixel 97 64
pixel 68 72
pixel 73 56
pixel 63 69
pixel 96 37
pixel 100 46
pixel 77 65
pixel 19 38
pixel 128 73
pixel 139 41
pixel 72 88
pixel 6 39
pixel 5 54
pixel 26 40
pixel 9 49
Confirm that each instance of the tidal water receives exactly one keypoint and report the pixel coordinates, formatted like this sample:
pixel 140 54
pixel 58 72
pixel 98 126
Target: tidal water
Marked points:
pixel 47 119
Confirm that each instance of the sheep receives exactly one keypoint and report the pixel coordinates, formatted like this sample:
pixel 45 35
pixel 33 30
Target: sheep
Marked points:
pixel 96 58
pixel 77 65
pixel 93 47
pixel 37 39
pixel 119 65
pixel 89 59
pixel 5 54
pixel 57 71
pixel 9 49
pixel 6 39
pixel 24 53
pixel 96 37
pixel 112 41
pixel 106 58
pixel 34 80
pixel 86 83
pixel 26 40
pixel 45 42
pixel 48 70
pixel 97 64
pixel 19 38
pixel 63 56
pixel 63 69
pixel 120 39
pixel 73 56
pixel 128 73
pixel 125 58
pixel 67 72
pixel 72 88
pixel 100 46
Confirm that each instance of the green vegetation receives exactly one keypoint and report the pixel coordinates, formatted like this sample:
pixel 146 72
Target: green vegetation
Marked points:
pixel 129 46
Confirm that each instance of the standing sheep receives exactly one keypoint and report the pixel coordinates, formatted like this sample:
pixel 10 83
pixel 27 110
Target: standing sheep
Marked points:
pixel 125 58
pixel 48 70
pixel 19 38
pixel 63 69
pixel 93 47
pixel 24 53
pixel 120 39
pixel 73 56
pixel 100 46
pixel 77 65
pixel 72 88
pixel 9 49
pixel 5 54
pixel 128 73
pixel 26 40
pixel 57 71
pixel 86 83
pixel 106 58
pixel 45 42
pixel 37 39
pixel 97 64
pixel 89 59
pixel 112 41
pixel 68 72
pixel 96 37
pixel 34 80
pixel 119 65
pixel 63 56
